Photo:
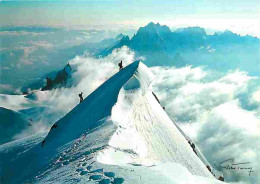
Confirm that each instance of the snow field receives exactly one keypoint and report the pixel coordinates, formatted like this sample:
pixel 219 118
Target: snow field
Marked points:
pixel 118 134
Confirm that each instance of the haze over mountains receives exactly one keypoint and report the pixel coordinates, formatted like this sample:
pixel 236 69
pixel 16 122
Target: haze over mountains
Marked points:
pixel 156 37
pixel 157 45
pixel 48 49
pixel 30 52
pixel 192 46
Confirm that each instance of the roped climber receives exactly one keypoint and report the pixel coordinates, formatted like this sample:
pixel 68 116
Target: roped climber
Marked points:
pixel 80 97
pixel 120 64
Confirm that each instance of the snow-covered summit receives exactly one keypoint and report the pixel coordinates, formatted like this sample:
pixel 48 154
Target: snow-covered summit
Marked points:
pixel 118 134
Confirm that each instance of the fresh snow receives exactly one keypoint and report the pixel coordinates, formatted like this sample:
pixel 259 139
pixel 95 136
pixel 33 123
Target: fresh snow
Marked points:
pixel 12 125
pixel 118 134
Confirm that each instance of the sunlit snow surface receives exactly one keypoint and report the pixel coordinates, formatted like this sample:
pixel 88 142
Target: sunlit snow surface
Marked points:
pixel 118 134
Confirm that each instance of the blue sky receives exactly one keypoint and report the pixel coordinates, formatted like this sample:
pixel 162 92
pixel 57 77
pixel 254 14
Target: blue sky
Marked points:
pixel 239 16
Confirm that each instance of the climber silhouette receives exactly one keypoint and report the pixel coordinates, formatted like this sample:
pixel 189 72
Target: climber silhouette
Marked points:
pixel 43 142
pixel 193 147
pixel 54 126
pixel 221 178
pixel 120 65
pixel 208 167
pixel 80 97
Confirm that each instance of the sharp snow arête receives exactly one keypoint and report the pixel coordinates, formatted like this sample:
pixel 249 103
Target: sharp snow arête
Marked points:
pixel 118 134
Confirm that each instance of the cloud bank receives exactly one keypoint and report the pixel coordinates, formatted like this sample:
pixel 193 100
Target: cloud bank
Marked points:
pixel 208 109
pixel 46 107
pixel 205 103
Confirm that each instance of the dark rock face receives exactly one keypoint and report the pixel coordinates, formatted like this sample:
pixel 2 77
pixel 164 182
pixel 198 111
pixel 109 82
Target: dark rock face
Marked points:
pixel 61 79
pixel 151 37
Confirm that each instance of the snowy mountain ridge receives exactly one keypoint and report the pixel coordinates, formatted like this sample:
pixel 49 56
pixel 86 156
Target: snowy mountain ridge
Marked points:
pixel 118 134
pixel 12 124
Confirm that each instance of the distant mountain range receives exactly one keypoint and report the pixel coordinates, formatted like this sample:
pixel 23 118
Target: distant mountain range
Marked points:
pixel 161 46
pixel 192 46
pixel 155 37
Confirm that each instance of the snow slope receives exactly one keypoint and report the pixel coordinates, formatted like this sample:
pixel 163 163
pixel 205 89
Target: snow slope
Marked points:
pixel 118 134
pixel 12 124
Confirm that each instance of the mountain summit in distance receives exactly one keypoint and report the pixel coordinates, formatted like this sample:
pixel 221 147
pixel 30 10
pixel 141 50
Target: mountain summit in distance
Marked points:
pixel 151 37
pixel 156 37
pixel 191 46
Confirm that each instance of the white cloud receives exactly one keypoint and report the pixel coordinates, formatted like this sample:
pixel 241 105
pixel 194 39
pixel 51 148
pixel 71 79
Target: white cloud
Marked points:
pixel 14 102
pixel 207 108
pixel 46 107
pixel 43 44
pixel 237 78
pixel 26 52
pixel 6 88
pixel 90 73
pixel 20 33
pixel 240 26
pixel 255 98
pixel 228 131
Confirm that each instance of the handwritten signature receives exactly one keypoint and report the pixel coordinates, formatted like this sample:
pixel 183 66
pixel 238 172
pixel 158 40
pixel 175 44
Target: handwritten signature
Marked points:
pixel 230 165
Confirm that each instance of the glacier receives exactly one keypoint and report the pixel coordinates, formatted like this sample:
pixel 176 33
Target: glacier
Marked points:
pixel 118 134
